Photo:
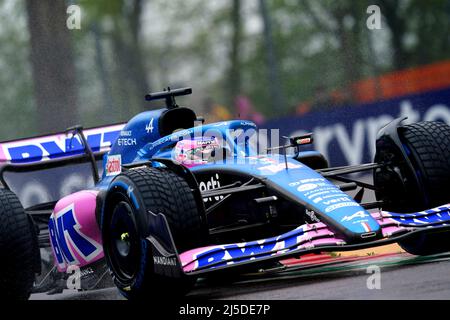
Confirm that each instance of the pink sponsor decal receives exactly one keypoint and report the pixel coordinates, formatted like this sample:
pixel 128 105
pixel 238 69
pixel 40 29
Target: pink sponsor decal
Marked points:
pixel 81 207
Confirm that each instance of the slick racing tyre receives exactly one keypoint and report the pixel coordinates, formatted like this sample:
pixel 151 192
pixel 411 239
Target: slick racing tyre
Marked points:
pixel 427 147
pixel 18 249
pixel 125 223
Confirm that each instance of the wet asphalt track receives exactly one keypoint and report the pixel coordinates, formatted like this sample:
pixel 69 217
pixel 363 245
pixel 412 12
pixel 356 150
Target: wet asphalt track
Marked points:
pixel 402 277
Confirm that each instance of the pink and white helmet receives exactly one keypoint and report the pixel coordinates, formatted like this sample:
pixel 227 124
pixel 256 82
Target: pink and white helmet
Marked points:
pixel 195 152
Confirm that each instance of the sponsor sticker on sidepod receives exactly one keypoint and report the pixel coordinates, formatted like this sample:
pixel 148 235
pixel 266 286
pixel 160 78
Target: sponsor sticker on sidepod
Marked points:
pixel 114 165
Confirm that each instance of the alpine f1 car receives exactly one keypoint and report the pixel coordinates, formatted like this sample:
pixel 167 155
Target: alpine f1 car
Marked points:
pixel 165 199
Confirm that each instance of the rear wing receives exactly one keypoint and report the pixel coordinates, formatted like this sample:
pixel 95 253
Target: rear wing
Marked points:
pixel 45 168
pixel 57 146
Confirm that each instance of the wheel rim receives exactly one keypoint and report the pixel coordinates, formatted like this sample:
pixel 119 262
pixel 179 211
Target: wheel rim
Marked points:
pixel 124 242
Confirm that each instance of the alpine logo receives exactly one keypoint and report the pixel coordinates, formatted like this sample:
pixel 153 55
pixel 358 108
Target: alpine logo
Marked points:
pixel 359 214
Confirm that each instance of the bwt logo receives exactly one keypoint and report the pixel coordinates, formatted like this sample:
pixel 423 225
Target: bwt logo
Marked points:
pixel 234 251
pixel 55 148
pixel 220 256
pixel 68 240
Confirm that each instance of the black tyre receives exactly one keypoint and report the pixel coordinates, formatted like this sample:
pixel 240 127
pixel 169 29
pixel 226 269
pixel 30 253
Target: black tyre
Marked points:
pixel 124 228
pixel 406 189
pixel 427 147
pixel 18 243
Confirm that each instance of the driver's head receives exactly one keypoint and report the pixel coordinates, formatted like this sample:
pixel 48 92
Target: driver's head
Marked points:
pixel 195 151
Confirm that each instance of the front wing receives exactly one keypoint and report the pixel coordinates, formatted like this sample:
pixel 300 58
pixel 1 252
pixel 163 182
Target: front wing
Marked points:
pixel 305 239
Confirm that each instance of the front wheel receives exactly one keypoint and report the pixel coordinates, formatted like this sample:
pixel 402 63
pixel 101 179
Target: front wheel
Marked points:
pixel 125 221
pixel 420 186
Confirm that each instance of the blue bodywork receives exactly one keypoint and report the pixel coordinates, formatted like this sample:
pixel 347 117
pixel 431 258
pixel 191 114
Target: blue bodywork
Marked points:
pixel 150 139
pixel 141 140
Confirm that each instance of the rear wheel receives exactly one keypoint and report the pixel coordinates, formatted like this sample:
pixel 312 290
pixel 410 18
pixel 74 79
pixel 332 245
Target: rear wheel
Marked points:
pixel 424 186
pixel 18 249
pixel 125 221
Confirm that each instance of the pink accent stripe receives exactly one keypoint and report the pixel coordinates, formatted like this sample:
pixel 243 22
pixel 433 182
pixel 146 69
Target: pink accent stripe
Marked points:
pixel 389 231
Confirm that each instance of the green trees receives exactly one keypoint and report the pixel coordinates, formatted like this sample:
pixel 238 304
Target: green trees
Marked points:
pixel 53 65
pixel 419 30
pixel 17 110
pixel 278 53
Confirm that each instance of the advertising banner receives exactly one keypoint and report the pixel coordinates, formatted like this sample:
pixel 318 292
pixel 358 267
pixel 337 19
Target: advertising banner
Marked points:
pixel 346 135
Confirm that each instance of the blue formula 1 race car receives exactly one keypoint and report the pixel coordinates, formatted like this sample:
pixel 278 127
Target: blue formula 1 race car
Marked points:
pixel 165 199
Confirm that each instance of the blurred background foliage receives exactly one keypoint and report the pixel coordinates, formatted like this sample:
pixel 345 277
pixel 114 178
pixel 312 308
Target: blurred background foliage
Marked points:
pixel 272 57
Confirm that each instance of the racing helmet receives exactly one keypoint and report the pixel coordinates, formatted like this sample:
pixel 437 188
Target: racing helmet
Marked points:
pixel 197 151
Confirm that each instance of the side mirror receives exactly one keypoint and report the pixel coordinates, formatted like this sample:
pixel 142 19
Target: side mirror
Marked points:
pixel 302 140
